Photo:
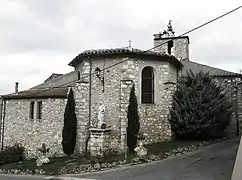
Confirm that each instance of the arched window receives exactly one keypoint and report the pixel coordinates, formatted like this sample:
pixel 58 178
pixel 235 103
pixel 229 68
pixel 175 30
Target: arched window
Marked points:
pixel 147 85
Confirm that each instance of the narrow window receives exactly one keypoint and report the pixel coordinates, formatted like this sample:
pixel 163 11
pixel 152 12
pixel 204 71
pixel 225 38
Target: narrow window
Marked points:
pixel 39 110
pixel 31 110
pixel 147 96
pixel 170 46
pixel 78 75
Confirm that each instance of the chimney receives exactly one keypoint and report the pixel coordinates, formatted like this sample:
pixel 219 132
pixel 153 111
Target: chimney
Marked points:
pixel 16 87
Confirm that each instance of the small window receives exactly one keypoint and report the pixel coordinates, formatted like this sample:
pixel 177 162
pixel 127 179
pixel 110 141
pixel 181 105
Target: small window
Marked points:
pixel 170 46
pixel 31 110
pixel 78 75
pixel 39 110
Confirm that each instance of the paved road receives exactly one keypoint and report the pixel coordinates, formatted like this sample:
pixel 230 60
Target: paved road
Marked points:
pixel 209 163
pixel 21 177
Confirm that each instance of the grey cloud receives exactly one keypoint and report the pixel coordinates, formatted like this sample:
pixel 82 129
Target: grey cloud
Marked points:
pixel 42 28
pixel 54 10
pixel 217 54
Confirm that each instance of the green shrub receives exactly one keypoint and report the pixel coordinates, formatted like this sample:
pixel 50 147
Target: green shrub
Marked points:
pixel 12 154
pixel 200 109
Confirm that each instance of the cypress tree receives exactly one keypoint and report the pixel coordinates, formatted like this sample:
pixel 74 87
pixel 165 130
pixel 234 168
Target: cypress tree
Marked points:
pixel 70 126
pixel 133 121
pixel 201 108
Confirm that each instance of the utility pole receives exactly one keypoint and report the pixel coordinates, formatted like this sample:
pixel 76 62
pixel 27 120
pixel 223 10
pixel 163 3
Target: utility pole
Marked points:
pixel 126 140
pixel 89 103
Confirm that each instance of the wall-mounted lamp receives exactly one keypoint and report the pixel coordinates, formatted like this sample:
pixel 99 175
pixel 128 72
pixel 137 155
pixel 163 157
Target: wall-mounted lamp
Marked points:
pixel 98 75
pixel 97 72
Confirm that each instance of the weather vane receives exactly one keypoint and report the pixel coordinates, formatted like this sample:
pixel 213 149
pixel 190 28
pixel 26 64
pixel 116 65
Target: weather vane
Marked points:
pixel 169 26
pixel 130 43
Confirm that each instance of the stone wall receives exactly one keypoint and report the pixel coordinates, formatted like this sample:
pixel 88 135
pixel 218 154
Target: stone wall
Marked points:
pixel 180 46
pixel 229 83
pixel 118 82
pixel 239 105
pixel 125 88
pixel 31 133
pixel 99 143
pixel 81 92
pixel 153 117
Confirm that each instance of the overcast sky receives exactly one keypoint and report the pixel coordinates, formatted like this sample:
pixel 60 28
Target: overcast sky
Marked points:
pixel 39 37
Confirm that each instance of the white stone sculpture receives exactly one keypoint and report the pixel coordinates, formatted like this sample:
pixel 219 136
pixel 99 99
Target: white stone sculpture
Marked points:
pixel 42 159
pixel 140 150
pixel 101 115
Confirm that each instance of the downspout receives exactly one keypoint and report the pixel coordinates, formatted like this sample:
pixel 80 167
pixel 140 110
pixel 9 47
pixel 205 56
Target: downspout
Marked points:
pixel 3 121
pixel 89 105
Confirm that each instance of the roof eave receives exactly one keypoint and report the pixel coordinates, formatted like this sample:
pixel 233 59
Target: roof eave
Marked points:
pixel 228 75
pixel 35 97
pixel 171 38
pixel 131 54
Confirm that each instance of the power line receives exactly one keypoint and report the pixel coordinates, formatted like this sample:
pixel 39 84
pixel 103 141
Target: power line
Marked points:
pixel 143 52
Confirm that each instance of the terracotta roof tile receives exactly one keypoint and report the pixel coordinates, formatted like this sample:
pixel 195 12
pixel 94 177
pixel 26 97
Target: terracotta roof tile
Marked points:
pixel 123 51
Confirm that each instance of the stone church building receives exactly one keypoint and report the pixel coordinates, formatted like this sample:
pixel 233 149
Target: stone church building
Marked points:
pixel 36 115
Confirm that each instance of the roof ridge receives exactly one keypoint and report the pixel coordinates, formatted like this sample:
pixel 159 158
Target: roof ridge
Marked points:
pixel 52 80
pixel 212 67
pixel 116 48
pixel 120 51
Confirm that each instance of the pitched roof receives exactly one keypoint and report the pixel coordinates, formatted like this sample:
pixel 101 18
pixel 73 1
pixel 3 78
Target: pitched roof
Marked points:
pixel 64 80
pixel 131 52
pixel 39 93
pixel 53 76
pixel 196 67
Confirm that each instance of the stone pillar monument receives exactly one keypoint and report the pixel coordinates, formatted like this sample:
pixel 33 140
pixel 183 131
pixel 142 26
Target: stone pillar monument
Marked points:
pixel 100 136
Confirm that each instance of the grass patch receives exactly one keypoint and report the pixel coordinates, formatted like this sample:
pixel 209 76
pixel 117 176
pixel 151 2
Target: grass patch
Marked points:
pixel 52 167
pixel 163 147
pixel 57 163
